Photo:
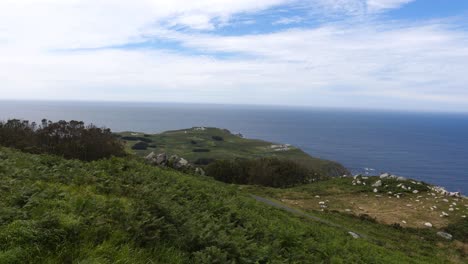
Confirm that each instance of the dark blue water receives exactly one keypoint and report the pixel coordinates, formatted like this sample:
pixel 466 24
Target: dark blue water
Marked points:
pixel 424 146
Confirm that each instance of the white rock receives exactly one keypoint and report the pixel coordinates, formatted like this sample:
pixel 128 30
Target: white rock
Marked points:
pixel 445 200
pixel 375 190
pixel 403 221
pixel 317 196
pixel 428 224
pixel 384 175
pixel 451 209
pixel 377 183
pixel 321 203
pixel 354 235
pixel 415 191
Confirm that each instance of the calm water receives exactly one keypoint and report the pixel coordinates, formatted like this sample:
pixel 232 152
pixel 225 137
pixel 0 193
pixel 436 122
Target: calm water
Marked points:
pixel 429 147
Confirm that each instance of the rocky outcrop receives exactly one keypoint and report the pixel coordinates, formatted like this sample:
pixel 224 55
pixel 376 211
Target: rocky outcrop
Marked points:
pixel 156 159
pixel 173 161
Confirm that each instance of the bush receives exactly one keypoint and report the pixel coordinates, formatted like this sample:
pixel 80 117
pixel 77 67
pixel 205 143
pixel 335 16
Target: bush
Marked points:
pixel 271 172
pixel 200 150
pixel 72 140
pixel 204 161
pixel 217 138
pixel 140 146
pixel 128 138
pixel 459 230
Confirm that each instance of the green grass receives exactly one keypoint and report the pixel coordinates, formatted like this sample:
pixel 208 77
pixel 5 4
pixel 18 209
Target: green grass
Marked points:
pixel 122 211
pixel 180 142
pixel 411 238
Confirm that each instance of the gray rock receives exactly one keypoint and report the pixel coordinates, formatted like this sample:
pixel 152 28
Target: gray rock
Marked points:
pixel 151 158
pixel 354 235
pixel 445 235
pixel 180 163
pixel 377 183
pixel 400 178
pixel 161 159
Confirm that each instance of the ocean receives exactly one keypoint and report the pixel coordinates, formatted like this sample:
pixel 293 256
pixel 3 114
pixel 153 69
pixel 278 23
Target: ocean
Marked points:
pixel 432 147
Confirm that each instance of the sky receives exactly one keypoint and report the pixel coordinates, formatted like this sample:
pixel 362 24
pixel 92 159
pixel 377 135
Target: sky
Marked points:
pixel 375 54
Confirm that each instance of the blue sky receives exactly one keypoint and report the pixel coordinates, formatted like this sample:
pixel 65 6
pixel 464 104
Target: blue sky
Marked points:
pixel 376 54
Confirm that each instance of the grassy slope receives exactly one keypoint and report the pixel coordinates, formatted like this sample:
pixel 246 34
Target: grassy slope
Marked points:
pixel 179 142
pixel 120 210
pixel 346 203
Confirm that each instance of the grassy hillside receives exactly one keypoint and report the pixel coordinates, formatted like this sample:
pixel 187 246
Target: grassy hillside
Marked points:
pixel 213 143
pixel 122 211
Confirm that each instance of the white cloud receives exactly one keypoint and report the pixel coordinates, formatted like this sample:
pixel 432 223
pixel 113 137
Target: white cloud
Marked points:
pixel 340 64
pixel 289 20
pixel 380 5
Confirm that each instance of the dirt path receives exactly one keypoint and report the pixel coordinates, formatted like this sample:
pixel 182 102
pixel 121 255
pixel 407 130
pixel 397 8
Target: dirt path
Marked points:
pixel 300 213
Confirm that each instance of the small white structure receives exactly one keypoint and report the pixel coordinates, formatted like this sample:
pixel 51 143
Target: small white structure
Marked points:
pixel 281 147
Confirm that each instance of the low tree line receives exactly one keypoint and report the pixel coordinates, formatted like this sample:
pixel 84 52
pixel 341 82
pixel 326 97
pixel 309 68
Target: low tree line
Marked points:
pixel 72 140
pixel 272 172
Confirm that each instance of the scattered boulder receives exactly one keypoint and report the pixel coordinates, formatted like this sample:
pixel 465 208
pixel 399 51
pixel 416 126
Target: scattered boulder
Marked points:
pixel 427 224
pixel 415 191
pixel 445 235
pixel 375 190
pixel 400 178
pixel 377 183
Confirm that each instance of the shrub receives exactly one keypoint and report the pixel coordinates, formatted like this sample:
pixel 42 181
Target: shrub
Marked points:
pixel 140 146
pixel 193 142
pixel 72 140
pixel 128 138
pixel 217 138
pixel 204 161
pixel 200 150
pixel 271 172
pixel 459 230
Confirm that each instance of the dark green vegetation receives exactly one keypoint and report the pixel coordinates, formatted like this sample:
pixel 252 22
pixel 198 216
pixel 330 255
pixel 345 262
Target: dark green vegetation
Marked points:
pixel 120 210
pixel 271 172
pixel 200 145
pixel 140 146
pixel 459 229
pixel 72 140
